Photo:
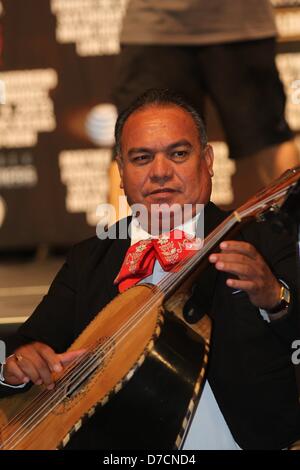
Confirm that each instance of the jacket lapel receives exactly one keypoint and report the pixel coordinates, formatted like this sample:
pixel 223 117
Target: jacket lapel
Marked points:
pixel 202 297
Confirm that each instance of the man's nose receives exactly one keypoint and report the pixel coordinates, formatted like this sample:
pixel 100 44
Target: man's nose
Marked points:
pixel 161 168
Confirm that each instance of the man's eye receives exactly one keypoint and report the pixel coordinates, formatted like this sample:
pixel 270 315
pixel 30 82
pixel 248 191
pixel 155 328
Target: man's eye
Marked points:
pixel 179 154
pixel 141 158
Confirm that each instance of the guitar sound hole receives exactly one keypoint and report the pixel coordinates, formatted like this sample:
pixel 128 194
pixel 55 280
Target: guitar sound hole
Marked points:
pixel 95 362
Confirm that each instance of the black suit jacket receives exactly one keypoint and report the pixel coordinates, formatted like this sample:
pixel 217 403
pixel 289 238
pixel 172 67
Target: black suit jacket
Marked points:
pixel 250 369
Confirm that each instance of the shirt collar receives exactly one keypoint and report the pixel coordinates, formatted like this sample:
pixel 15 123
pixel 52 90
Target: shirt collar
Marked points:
pixel 138 233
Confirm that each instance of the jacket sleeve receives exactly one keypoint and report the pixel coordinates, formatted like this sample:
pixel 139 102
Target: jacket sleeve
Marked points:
pixel 53 319
pixel 279 250
pixel 52 322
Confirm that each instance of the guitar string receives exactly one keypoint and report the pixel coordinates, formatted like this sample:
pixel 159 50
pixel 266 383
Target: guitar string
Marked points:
pixel 165 281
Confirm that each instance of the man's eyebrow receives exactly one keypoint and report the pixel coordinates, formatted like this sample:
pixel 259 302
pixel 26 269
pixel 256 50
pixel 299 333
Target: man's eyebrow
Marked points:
pixel 179 143
pixel 134 150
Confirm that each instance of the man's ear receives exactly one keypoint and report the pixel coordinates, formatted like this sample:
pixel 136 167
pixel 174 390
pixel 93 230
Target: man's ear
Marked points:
pixel 120 168
pixel 209 158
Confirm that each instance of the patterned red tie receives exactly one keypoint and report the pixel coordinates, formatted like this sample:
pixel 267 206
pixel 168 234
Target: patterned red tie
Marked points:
pixel 168 249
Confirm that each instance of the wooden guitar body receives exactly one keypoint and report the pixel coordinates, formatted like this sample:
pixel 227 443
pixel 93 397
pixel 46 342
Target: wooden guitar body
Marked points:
pixel 148 379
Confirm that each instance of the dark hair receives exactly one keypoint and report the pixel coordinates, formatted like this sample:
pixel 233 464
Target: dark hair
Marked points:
pixel 160 97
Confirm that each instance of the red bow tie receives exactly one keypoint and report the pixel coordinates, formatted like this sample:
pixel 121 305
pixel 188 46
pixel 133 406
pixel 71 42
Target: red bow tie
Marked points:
pixel 139 261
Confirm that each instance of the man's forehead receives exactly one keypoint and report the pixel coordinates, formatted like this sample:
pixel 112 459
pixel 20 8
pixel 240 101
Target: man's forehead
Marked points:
pixel 163 121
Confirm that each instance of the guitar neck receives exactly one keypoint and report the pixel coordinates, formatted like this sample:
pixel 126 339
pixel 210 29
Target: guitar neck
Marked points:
pixel 268 199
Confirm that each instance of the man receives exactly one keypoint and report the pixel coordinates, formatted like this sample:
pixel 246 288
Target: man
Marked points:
pixel 250 398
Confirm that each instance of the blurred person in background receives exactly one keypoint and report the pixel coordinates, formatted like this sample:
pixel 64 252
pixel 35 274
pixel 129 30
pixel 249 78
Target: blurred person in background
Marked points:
pixel 222 49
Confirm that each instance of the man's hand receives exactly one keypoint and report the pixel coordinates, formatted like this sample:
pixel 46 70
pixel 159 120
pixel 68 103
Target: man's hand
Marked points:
pixel 254 275
pixel 36 362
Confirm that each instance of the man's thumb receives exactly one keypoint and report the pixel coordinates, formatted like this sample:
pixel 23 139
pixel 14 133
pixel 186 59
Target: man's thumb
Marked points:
pixel 70 356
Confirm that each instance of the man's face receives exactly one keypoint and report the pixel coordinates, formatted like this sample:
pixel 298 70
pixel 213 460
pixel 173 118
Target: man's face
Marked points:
pixel 162 161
